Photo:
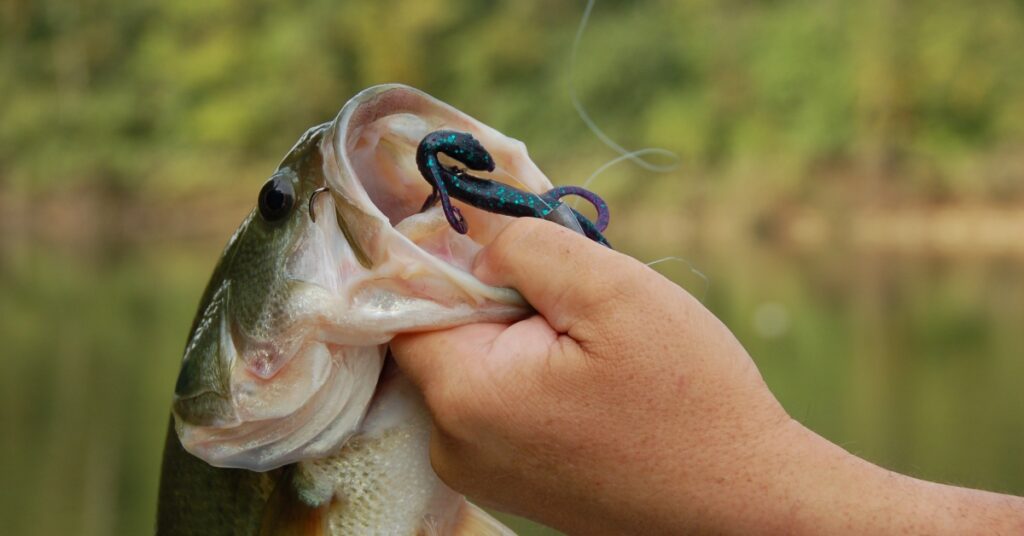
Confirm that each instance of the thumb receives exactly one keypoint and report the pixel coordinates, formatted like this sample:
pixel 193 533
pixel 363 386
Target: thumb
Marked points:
pixel 434 358
pixel 563 275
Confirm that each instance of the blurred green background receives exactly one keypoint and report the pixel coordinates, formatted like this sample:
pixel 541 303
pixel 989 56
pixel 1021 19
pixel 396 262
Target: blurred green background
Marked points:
pixel 851 181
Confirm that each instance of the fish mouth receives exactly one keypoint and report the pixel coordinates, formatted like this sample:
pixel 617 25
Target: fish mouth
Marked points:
pixel 371 171
pixel 369 266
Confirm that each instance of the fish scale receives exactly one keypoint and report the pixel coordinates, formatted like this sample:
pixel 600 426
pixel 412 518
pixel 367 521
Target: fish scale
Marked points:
pixel 379 483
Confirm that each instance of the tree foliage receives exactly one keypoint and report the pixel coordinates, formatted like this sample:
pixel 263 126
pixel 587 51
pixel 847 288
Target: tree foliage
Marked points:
pixel 918 96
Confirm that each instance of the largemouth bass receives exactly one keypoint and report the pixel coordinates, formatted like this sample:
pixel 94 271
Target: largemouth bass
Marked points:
pixel 287 417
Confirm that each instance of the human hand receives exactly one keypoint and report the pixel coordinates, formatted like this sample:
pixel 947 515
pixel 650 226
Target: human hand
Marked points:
pixel 625 407
pixel 621 392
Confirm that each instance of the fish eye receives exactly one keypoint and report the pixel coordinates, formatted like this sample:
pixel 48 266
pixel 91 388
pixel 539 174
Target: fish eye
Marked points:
pixel 276 198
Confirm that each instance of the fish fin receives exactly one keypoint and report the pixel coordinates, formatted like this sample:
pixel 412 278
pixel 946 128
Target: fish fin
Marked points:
pixel 474 521
pixel 286 514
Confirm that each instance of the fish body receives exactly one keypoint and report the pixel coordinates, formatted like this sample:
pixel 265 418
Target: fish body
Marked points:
pixel 287 417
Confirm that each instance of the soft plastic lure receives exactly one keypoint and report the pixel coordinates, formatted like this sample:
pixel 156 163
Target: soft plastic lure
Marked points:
pixel 494 196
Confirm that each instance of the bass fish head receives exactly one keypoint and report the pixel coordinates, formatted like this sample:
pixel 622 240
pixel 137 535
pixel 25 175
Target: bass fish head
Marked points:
pixel 289 340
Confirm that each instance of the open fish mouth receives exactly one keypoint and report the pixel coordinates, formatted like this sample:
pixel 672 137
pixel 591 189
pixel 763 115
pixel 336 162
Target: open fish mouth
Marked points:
pixel 289 374
pixel 371 171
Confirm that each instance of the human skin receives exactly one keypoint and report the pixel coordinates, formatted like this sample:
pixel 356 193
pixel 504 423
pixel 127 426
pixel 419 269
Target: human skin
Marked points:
pixel 625 406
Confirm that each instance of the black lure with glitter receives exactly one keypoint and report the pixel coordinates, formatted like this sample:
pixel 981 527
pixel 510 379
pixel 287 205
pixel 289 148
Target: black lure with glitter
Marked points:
pixel 489 195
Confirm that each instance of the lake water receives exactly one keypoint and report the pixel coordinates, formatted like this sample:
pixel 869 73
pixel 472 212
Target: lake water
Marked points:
pixel 912 362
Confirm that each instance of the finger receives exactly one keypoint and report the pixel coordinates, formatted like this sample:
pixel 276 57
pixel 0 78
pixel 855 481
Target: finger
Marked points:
pixel 451 370
pixel 432 357
pixel 475 353
pixel 563 275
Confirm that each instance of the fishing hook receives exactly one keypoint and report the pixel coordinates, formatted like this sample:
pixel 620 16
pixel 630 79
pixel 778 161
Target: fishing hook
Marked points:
pixel 312 198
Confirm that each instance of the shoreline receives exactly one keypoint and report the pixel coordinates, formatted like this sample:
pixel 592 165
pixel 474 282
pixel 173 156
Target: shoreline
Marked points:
pixel 951 229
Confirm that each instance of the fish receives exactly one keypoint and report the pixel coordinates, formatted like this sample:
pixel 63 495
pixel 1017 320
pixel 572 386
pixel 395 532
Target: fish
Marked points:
pixel 288 416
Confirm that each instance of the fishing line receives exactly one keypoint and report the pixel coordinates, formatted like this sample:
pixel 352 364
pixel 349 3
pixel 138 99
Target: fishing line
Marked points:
pixel 693 270
pixel 634 156
pixel 628 156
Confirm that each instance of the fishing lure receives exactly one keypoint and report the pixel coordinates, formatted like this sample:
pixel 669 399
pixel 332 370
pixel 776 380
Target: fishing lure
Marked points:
pixel 494 196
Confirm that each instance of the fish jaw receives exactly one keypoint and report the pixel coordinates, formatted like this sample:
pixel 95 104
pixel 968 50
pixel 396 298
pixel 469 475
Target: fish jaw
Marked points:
pixel 290 374
pixel 369 165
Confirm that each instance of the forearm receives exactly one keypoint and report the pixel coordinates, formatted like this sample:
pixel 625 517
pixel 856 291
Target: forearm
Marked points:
pixel 811 486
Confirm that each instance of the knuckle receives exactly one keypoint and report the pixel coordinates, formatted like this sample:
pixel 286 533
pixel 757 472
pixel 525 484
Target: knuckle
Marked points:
pixel 520 230
pixel 608 307
pixel 508 258
pixel 524 234
pixel 611 286
pixel 512 238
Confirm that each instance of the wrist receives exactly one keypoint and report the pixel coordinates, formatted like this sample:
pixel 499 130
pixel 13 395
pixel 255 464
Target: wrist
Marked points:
pixel 816 487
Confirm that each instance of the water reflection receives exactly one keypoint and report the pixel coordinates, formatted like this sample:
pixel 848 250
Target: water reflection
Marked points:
pixel 912 362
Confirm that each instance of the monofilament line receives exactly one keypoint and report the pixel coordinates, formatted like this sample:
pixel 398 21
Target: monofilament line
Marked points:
pixel 634 156
pixel 695 271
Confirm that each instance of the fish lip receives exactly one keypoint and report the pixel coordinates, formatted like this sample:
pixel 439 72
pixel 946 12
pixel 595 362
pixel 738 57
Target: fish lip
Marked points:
pixel 347 185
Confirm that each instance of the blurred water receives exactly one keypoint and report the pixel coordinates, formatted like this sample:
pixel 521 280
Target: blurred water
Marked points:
pixel 911 362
